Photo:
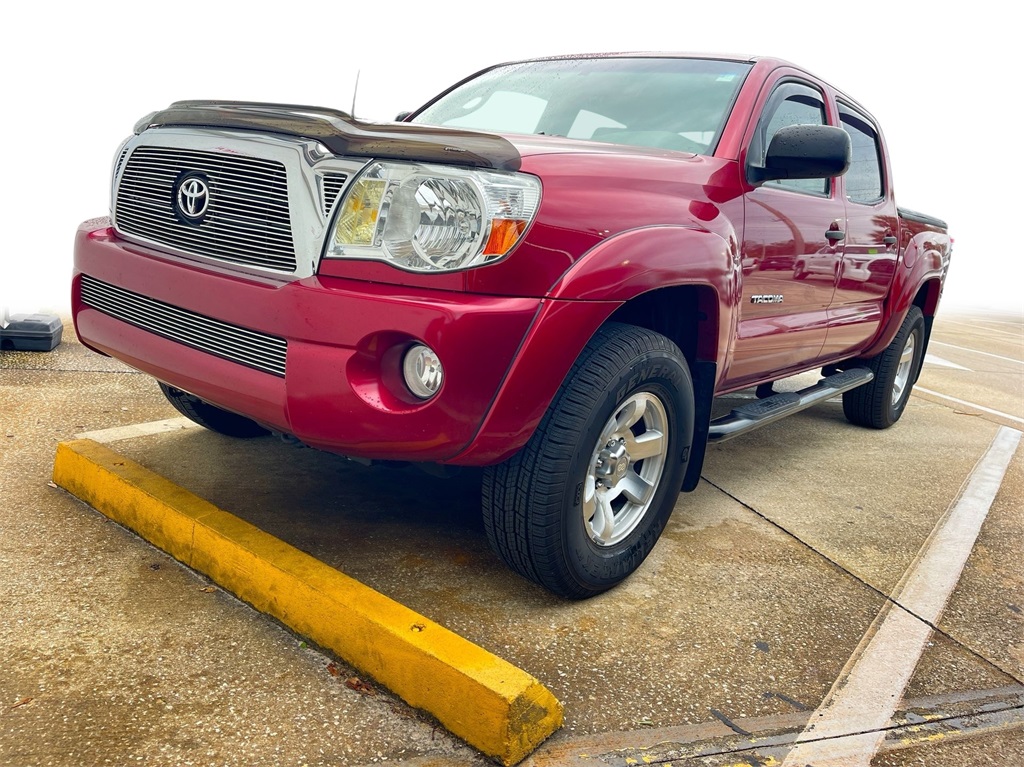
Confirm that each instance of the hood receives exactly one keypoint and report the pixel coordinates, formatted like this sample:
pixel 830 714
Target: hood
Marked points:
pixel 532 144
pixel 342 134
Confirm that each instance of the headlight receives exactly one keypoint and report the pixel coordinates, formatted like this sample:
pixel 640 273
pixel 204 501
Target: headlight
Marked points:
pixel 428 218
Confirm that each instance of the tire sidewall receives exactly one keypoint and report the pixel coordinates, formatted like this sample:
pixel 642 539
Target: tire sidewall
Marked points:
pixel 914 327
pixel 665 376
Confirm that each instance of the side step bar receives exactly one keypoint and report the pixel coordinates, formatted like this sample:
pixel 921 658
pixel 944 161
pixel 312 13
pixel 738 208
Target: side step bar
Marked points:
pixel 754 415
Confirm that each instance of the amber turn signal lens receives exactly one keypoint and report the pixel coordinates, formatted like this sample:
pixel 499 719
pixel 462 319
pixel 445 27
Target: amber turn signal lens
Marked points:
pixel 504 234
pixel 357 221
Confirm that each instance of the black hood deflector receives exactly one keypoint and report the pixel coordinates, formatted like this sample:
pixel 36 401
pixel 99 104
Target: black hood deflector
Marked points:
pixel 342 134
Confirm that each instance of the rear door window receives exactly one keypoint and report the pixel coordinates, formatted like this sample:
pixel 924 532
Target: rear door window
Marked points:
pixel 865 182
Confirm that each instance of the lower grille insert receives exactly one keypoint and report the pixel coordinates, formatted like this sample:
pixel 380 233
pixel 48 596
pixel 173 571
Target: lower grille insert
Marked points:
pixel 246 347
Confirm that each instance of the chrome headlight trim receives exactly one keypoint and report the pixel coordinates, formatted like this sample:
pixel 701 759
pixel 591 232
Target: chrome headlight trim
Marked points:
pixel 431 218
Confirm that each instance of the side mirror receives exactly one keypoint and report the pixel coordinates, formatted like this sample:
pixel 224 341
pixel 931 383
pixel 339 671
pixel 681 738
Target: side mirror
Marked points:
pixel 804 151
pixel 401 117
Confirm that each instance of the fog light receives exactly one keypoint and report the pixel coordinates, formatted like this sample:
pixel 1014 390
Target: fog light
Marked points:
pixel 423 371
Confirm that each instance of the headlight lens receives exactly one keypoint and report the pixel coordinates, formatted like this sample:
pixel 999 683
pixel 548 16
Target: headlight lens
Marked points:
pixel 428 218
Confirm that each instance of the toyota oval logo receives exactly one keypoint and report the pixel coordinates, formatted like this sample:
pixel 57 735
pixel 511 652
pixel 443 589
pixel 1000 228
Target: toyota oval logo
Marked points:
pixel 193 197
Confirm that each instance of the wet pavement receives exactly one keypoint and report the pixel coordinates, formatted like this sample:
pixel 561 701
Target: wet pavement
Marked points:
pixel 761 591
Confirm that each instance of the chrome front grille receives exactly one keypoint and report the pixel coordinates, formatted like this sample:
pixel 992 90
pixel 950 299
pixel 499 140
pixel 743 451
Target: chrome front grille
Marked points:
pixel 246 347
pixel 247 221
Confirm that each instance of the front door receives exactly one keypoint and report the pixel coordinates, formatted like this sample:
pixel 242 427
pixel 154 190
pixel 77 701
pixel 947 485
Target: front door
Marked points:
pixel 792 253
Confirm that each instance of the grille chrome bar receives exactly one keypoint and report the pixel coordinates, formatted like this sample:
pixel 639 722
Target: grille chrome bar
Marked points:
pixel 331 186
pixel 228 247
pixel 246 347
pixel 248 221
pixel 227 222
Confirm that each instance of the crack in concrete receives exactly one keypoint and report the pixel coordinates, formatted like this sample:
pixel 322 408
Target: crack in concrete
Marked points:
pixel 892 602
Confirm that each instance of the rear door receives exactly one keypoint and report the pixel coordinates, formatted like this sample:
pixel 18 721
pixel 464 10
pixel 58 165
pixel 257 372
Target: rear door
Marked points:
pixel 870 244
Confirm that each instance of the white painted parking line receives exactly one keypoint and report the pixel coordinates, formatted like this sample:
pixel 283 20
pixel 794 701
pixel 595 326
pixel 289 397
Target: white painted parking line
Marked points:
pixel 117 433
pixel 1016 334
pixel 849 726
pixel 975 351
pixel 931 359
pixel 1014 323
pixel 965 403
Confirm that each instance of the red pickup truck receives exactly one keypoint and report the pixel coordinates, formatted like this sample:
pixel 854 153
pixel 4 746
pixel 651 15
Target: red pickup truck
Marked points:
pixel 550 270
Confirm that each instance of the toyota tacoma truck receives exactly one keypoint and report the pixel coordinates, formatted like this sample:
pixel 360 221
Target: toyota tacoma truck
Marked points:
pixel 551 270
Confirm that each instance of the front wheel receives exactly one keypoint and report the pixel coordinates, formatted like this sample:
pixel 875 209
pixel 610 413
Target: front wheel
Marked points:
pixel 580 507
pixel 880 403
pixel 211 416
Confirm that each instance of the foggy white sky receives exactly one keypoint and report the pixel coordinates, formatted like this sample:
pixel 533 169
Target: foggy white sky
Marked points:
pixel 76 79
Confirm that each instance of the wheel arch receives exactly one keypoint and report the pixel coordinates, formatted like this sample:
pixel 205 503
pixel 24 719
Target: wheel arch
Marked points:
pixel 925 297
pixel 644 277
pixel 689 315
pixel 695 330
pixel 656 271
pixel 927 300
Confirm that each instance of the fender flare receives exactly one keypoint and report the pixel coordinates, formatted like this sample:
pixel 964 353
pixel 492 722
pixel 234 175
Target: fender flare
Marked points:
pixel 585 297
pixel 647 258
pixel 922 263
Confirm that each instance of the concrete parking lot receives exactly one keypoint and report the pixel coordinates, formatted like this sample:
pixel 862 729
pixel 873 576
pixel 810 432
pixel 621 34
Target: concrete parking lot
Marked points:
pixel 786 606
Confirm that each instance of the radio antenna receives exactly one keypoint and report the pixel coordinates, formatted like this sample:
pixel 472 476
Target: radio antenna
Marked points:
pixel 355 90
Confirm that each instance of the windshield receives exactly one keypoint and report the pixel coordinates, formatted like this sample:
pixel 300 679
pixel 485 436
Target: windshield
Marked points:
pixel 668 103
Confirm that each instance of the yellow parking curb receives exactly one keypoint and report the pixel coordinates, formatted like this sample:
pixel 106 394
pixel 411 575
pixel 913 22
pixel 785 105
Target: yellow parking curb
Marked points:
pixel 494 706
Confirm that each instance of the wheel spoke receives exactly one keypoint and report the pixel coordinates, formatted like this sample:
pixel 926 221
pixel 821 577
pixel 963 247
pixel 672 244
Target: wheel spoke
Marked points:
pixel 589 499
pixel 630 414
pixel 604 518
pixel 648 445
pixel 636 488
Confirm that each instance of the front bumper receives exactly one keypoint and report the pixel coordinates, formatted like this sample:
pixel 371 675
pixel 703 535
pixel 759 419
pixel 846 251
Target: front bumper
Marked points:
pixel 341 389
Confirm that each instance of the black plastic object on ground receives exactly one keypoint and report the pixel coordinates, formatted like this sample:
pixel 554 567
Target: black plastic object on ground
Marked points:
pixel 31 333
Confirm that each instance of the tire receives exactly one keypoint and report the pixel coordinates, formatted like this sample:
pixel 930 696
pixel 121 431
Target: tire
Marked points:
pixel 580 507
pixel 879 404
pixel 211 416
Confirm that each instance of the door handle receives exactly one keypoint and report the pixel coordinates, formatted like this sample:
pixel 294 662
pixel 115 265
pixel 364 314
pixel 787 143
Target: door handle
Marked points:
pixel 835 235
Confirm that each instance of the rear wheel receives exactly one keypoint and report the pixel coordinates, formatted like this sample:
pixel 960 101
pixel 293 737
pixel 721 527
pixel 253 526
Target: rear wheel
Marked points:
pixel 211 416
pixel 880 403
pixel 580 507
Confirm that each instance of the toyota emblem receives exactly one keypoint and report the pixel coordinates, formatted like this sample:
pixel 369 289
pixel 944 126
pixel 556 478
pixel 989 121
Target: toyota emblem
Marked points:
pixel 193 198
